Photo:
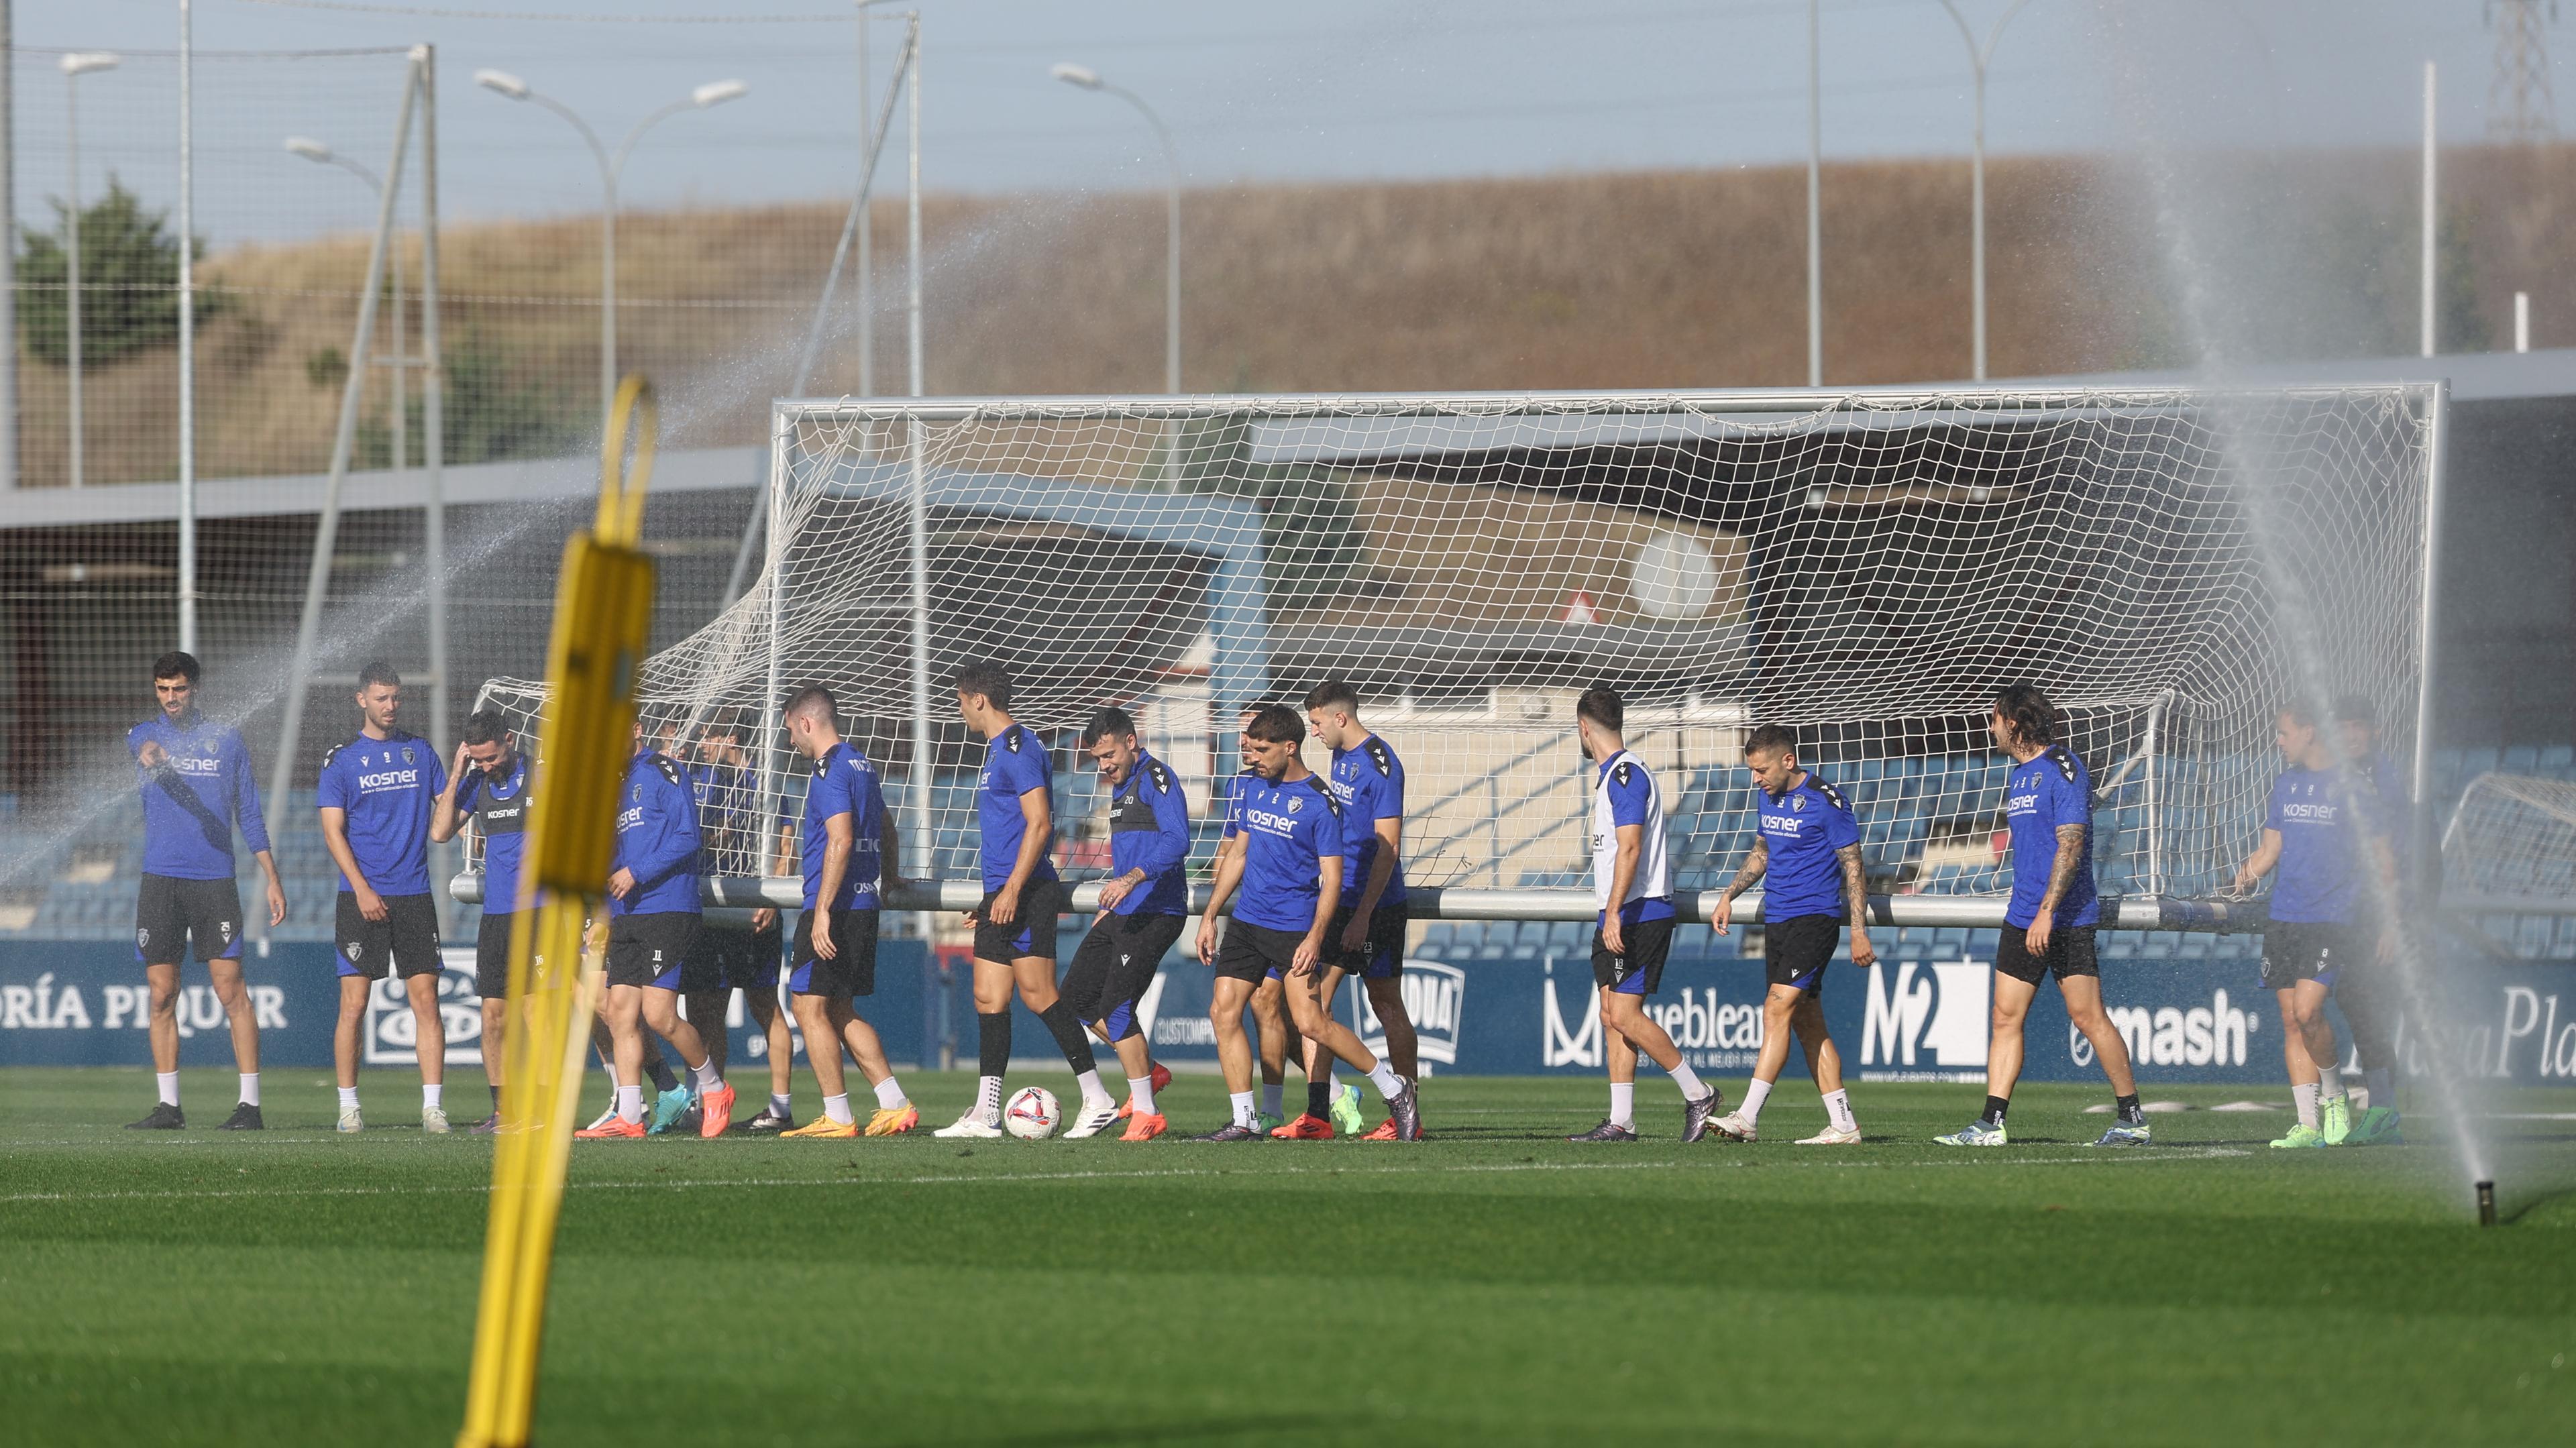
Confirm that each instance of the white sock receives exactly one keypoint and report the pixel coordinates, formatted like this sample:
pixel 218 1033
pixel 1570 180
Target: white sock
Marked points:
pixel 167 1083
pixel 2330 1084
pixel 1388 1084
pixel 630 1103
pixel 249 1088
pixel 1838 1111
pixel 1333 1081
pixel 1270 1099
pixel 988 1095
pixel 1140 1094
pixel 1623 1103
pixel 782 1105
pixel 1242 1101
pixel 838 1108
pixel 1755 1092
pixel 708 1078
pixel 890 1095
pixel 348 1098
pixel 2381 1083
pixel 2304 1095
pixel 1093 1093
pixel 1688 1080
pixel 432 1098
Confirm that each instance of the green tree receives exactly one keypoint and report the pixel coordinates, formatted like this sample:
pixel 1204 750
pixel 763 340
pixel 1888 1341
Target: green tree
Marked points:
pixel 490 413
pixel 129 282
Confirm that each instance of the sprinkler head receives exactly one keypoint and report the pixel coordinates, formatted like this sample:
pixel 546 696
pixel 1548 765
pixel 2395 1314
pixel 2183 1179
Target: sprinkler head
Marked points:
pixel 2486 1204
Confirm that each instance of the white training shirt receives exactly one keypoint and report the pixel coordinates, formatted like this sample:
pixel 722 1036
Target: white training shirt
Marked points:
pixel 1623 793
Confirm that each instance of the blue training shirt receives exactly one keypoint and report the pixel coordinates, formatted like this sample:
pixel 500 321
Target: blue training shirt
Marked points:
pixel 1624 789
pixel 1015 762
pixel 390 788
pixel 725 838
pixel 845 782
pixel 2053 789
pixel 1803 827
pixel 1288 830
pixel 657 839
pixel 1368 783
pixel 2319 862
pixel 1149 830
pixel 499 805
pixel 191 802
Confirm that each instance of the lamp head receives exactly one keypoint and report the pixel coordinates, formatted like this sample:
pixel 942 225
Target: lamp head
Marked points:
pixel 501 82
pixel 1072 74
pixel 308 148
pixel 82 62
pixel 717 92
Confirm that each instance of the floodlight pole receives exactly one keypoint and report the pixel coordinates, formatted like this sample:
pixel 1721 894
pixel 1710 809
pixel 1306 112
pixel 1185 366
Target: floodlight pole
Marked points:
pixel 923 835
pixel 1815 168
pixel 187 331
pixel 1084 78
pixel 2432 165
pixel 9 250
pixel 1979 58
pixel 74 67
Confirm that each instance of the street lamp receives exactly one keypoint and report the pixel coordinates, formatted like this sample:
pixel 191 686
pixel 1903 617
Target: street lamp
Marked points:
pixel 1088 79
pixel 713 93
pixel 1978 58
pixel 322 155
pixel 75 65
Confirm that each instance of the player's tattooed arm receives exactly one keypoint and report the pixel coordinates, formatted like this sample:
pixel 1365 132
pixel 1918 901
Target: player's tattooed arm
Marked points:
pixel 1754 864
pixel 2061 871
pixel 1856 900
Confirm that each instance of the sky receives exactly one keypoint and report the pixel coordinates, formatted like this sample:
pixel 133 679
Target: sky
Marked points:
pixel 1325 89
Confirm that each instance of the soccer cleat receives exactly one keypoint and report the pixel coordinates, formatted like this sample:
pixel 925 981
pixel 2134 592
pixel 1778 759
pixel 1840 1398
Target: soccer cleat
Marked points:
pixel 614 1128
pixel 1736 1126
pixel 1091 1121
pixel 1979 1132
pixel 1383 1131
pixel 1307 1127
pixel 1144 1127
pixel 1267 1121
pixel 488 1126
pixel 2125 1133
pixel 603 1119
pixel 1695 1115
pixel 350 1122
pixel 770 1122
pixel 1832 1135
pixel 824 1128
pixel 669 1107
pixel 977 1124
pixel 2301 1135
pixel 718 1106
pixel 894 1120
pixel 1232 1131
pixel 1407 1112
pixel 164 1117
pixel 2338 1120
pixel 433 1119
pixel 1608 1130
pixel 245 1117
pixel 1160 1075
pixel 2377 1127
pixel 1346 1110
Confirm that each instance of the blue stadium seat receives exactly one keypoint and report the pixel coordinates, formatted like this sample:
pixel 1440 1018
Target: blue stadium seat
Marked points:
pixel 2522 759
pixel 2558 759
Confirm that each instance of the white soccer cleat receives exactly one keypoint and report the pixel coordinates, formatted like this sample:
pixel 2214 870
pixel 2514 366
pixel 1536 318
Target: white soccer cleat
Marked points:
pixel 1735 1126
pixel 1093 1121
pixel 977 1124
pixel 1832 1136
pixel 350 1122
pixel 433 1120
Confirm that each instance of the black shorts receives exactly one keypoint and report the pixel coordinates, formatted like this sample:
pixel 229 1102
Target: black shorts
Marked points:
pixel 851 972
pixel 169 913
pixel 492 957
pixel 2070 953
pixel 1641 970
pixel 731 956
pixel 1250 951
pixel 652 949
pixel 2297 950
pixel 1383 957
pixel 406 939
pixel 1797 950
pixel 1033 933
pixel 1113 966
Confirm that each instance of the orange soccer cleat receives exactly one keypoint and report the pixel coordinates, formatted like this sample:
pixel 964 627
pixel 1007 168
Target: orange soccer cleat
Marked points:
pixel 894 1121
pixel 1144 1128
pixel 1160 1076
pixel 1307 1127
pixel 612 1128
pixel 824 1128
pixel 1385 1132
pixel 717 1109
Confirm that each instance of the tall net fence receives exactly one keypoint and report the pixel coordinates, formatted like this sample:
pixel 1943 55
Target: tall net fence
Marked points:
pixel 2509 863
pixel 1865 569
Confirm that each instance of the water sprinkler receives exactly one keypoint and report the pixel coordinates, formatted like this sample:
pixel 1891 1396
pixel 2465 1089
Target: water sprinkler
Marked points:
pixel 2486 1204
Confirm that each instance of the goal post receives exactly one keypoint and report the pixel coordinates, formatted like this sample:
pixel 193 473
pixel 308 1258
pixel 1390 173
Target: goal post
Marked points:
pixel 1864 567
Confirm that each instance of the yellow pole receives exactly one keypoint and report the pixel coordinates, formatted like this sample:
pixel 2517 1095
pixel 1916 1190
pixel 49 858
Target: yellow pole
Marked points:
pixel 603 618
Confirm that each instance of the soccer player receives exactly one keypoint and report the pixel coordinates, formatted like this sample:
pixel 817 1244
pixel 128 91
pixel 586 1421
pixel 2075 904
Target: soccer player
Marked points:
pixel 1290 868
pixel 737 950
pixel 2308 837
pixel 489 784
pixel 2366 985
pixel 1808 854
pixel 850 847
pixel 196 782
pixel 1369 924
pixel 2049 923
pixel 377 794
pixel 653 923
pixel 1634 933
pixel 1015 922
pixel 1143 904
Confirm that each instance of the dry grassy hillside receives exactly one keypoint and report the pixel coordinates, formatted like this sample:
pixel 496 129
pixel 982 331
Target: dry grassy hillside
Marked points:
pixel 1635 280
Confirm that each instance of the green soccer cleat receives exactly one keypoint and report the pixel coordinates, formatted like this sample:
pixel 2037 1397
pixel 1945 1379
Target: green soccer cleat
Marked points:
pixel 1268 1121
pixel 1346 1111
pixel 2301 1135
pixel 2337 1114
pixel 2377 1127
pixel 1980 1132
pixel 669 1107
pixel 2126 1133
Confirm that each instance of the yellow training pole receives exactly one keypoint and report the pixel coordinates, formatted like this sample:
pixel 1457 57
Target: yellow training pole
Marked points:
pixel 603 620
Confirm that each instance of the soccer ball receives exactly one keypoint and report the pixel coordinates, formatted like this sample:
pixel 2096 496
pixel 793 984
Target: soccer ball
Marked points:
pixel 1032 1114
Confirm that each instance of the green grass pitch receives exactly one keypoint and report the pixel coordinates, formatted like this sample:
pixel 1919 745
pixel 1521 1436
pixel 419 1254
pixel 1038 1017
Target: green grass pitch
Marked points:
pixel 1495 1285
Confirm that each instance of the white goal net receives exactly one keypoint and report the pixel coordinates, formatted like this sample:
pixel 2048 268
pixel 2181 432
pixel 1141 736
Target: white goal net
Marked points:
pixel 1864 568
pixel 2509 862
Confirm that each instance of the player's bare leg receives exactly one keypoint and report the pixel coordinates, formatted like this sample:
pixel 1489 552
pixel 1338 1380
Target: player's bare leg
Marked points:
pixel 2314 1067
pixel 1314 1019
pixel 1825 1064
pixel 2083 995
pixel 832 1024
pixel 1270 1016
pixel 344 1046
pixel 706 1011
pixel 772 1022
pixel 1779 1010
pixel 1386 997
